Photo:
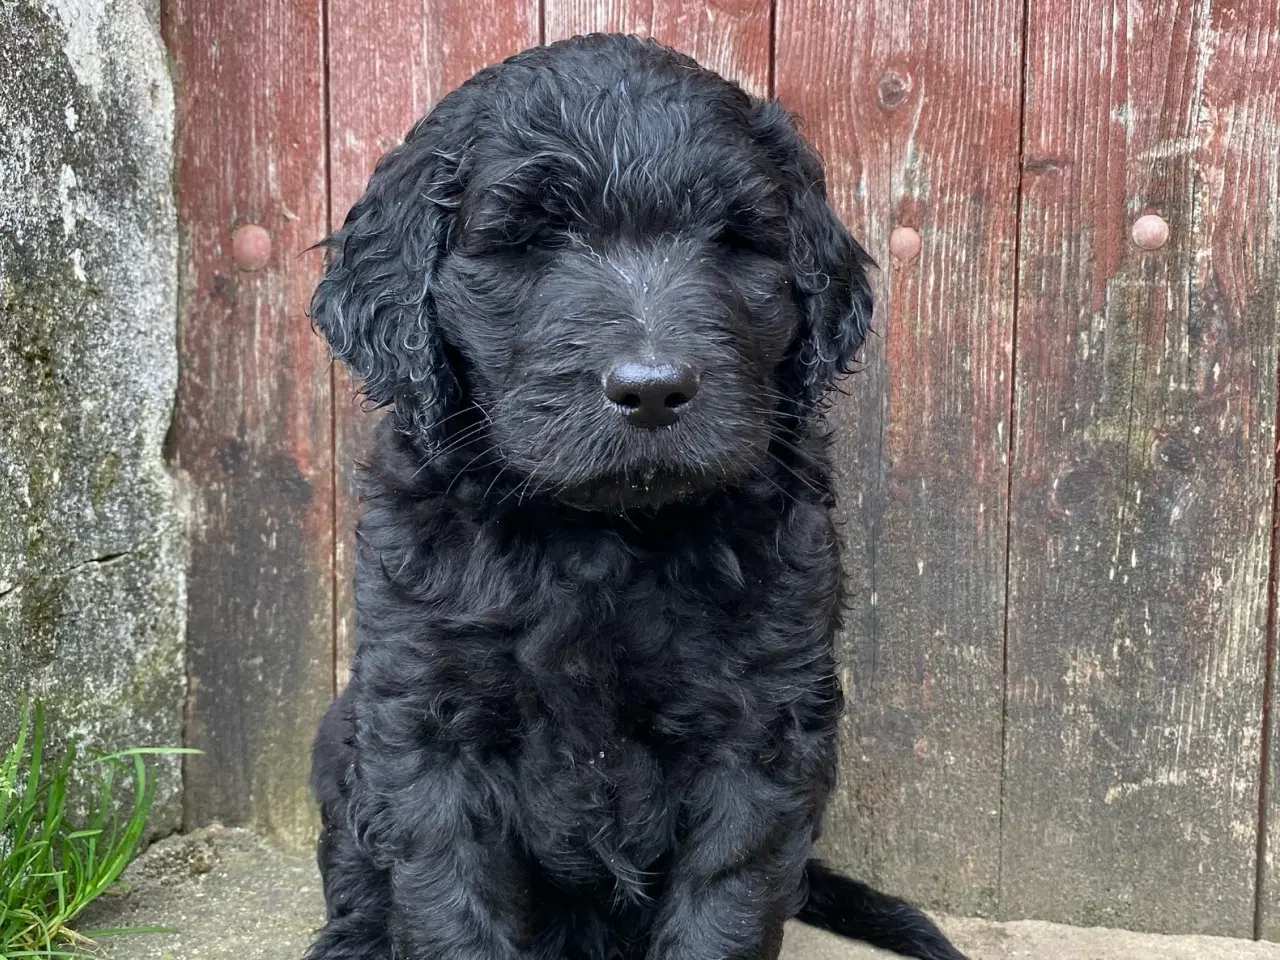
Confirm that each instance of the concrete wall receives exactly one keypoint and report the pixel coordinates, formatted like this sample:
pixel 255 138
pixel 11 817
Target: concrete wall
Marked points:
pixel 91 562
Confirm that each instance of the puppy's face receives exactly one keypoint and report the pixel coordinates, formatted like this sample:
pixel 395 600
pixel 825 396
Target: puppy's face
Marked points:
pixel 621 304
pixel 621 285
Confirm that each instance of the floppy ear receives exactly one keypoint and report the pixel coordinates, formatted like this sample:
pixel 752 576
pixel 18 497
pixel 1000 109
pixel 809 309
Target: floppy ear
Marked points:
pixel 827 265
pixel 375 304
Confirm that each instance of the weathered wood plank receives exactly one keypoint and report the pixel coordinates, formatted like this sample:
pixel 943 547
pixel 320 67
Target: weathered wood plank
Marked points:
pixel 1238 154
pixel 389 62
pixel 728 36
pixel 1267 907
pixel 1143 465
pixel 917 113
pixel 252 428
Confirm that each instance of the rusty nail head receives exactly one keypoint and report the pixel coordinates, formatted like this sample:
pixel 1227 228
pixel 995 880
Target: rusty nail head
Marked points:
pixel 904 243
pixel 1150 232
pixel 250 247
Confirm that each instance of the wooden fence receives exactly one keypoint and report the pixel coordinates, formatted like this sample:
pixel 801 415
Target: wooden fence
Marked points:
pixel 1058 466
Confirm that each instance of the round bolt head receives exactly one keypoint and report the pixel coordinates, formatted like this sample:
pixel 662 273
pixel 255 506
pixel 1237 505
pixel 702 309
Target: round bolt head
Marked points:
pixel 1150 232
pixel 904 243
pixel 250 247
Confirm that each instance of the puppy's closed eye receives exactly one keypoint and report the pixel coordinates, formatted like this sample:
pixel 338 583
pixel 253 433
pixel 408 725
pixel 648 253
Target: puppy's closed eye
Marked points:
pixel 755 222
pixel 750 238
pixel 516 233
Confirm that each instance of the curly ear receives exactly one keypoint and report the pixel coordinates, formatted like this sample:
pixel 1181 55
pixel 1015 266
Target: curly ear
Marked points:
pixel 827 264
pixel 375 303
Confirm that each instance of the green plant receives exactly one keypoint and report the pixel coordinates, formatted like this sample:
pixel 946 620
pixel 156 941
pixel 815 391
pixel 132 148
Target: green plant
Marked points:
pixel 50 868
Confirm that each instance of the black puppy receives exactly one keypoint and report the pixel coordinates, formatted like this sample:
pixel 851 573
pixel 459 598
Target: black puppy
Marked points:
pixel 593 710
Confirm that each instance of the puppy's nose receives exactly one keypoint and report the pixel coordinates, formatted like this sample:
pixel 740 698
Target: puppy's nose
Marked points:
pixel 651 393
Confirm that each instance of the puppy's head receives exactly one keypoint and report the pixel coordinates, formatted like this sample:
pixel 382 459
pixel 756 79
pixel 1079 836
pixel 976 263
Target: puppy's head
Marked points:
pixel 602 270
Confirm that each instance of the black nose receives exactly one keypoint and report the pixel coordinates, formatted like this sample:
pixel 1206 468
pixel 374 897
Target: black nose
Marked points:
pixel 651 392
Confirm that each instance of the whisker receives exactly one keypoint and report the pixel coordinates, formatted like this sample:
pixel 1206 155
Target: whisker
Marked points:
pixel 489 488
pixel 515 490
pixel 470 408
pixel 486 451
pixel 795 473
pixel 786 444
pixel 455 443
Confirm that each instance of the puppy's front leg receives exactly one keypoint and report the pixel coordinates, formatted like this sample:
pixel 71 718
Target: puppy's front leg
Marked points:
pixel 738 877
pixel 357 901
pixel 357 893
pixel 464 903
pixel 459 888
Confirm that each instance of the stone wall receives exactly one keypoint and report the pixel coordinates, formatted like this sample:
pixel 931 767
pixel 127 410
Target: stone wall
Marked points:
pixel 91 561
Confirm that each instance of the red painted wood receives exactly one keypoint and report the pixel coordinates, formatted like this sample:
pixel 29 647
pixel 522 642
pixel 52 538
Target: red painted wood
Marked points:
pixel 1237 266
pixel 252 428
pixel 1143 465
pixel 916 109
pixel 389 62
pixel 728 36
pixel 1143 429
pixel 1238 261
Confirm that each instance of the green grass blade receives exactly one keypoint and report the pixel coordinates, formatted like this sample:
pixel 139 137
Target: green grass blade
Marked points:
pixel 50 867
pixel 9 767
pixel 36 755
pixel 55 793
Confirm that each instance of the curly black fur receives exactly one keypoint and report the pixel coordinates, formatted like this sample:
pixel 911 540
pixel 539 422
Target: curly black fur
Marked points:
pixel 593 710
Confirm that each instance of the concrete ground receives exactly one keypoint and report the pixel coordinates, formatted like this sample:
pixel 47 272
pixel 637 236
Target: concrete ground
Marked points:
pixel 231 896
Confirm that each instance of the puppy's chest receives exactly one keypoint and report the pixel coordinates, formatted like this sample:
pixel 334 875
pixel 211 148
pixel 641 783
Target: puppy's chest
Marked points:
pixel 617 735
pixel 646 671
pixel 606 815
pixel 671 670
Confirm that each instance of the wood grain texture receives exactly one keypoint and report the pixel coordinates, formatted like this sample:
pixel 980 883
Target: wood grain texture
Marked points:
pixel 728 36
pixel 916 109
pixel 1267 907
pixel 1143 465
pixel 1238 225
pixel 389 62
pixel 252 428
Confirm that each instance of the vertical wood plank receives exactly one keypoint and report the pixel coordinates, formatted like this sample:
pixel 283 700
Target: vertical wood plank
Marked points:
pixel 1267 905
pixel 728 36
pixel 1144 459
pixel 252 427
pixel 1239 225
pixel 389 62
pixel 916 110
